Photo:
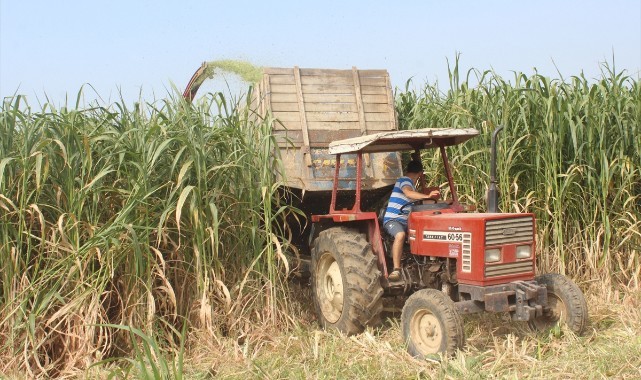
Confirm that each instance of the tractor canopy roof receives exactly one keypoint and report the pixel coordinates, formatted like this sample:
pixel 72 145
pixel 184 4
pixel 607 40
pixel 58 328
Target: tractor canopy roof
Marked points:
pixel 397 141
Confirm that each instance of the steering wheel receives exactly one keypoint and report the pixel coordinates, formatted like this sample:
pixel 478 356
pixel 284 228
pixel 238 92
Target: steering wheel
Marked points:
pixel 416 202
pixel 412 203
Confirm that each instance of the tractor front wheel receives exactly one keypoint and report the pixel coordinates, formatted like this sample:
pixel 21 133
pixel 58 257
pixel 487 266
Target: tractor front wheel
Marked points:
pixel 566 305
pixel 345 281
pixel 431 324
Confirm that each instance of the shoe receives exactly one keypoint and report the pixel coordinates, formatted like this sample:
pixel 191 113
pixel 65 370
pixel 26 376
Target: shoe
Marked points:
pixel 395 275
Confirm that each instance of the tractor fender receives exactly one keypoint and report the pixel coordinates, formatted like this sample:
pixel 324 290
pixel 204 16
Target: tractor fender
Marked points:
pixel 367 225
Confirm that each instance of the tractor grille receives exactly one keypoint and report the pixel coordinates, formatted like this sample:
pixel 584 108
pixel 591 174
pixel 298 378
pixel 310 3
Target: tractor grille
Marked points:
pixel 467 252
pixel 509 231
pixel 509 268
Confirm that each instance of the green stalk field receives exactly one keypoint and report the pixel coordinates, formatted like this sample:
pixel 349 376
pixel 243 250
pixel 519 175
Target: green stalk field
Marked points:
pixel 150 217
pixel 148 241
pixel 570 153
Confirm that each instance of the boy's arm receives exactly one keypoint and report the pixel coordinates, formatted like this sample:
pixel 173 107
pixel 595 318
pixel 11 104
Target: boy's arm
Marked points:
pixel 413 194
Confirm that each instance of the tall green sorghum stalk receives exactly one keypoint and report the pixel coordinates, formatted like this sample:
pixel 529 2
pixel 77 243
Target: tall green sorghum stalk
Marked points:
pixel 133 216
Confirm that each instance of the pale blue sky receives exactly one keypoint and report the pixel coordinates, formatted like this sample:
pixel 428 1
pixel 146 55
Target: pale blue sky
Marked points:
pixel 54 47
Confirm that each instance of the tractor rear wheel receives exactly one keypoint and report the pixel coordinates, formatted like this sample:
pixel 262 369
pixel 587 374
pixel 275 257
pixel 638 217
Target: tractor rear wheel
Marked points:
pixel 345 281
pixel 566 304
pixel 431 324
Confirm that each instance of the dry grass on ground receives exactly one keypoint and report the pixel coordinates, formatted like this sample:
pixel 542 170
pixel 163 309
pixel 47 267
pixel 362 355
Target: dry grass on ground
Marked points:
pixel 495 348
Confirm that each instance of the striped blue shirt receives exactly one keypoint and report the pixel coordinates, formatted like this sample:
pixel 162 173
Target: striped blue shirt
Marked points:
pixel 398 200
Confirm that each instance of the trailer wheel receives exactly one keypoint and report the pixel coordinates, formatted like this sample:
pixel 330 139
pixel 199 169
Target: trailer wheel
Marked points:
pixel 566 304
pixel 345 281
pixel 431 324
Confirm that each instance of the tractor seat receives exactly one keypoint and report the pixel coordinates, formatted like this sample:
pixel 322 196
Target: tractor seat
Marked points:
pixel 388 239
pixel 381 215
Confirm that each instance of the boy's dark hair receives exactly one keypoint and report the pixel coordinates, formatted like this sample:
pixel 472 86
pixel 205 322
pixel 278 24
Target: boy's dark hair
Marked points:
pixel 414 167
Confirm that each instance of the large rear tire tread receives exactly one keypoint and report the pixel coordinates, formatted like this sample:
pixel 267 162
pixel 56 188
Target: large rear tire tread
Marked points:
pixel 362 290
pixel 441 311
pixel 573 307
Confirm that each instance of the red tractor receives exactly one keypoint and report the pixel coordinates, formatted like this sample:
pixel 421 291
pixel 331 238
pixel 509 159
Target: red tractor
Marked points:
pixel 455 261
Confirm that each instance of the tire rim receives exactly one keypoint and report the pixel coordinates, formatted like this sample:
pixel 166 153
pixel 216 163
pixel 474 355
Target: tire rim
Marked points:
pixel 330 288
pixel 557 308
pixel 426 332
pixel 553 314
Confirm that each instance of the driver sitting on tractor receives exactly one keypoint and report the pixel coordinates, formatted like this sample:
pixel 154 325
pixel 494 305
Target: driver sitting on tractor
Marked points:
pixel 395 221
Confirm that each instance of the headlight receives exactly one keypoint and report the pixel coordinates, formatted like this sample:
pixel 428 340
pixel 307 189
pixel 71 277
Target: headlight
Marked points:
pixel 492 255
pixel 523 251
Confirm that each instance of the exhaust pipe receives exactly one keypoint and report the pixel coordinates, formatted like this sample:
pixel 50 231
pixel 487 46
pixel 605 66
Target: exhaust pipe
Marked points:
pixel 493 191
